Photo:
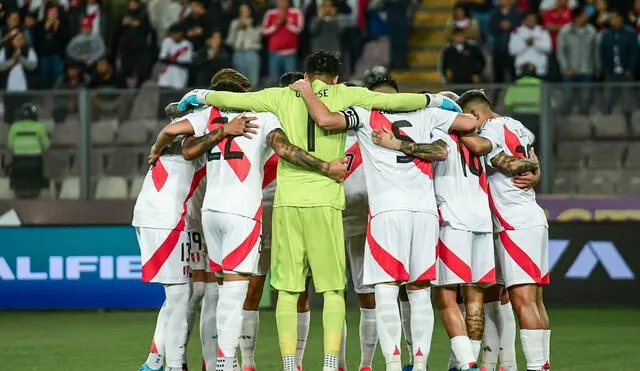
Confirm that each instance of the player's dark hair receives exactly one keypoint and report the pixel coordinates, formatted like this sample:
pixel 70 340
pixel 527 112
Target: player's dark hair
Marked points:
pixel 473 96
pixel 351 83
pixel 290 77
pixel 226 85
pixel 230 75
pixel 378 76
pixel 175 28
pixel 322 63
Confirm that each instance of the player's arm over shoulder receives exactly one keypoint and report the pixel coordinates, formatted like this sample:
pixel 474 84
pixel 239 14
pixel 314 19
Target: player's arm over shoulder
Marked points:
pixel 323 117
pixel 485 141
pixel 513 165
pixel 266 100
pixel 365 98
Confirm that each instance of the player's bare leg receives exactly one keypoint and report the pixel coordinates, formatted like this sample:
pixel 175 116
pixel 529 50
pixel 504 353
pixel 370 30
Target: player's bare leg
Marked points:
pixel 546 325
pixel 389 323
pixel 474 306
pixel 251 322
pixel 368 331
pixel 491 337
pixel 453 362
pixel 233 293
pixel 304 320
pixel 524 300
pixel 198 283
pixel 454 323
pixel 155 360
pixel 405 315
pixel 208 325
pixel 422 321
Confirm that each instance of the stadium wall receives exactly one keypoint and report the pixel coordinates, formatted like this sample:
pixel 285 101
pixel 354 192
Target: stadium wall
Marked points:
pixel 68 256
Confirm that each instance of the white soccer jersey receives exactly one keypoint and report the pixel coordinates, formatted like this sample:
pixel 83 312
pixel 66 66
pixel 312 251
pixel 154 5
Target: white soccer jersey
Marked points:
pixel 167 195
pixel 394 180
pixel 512 207
pixel 174 76
pixel 354 215
pixel 460 184
pixel 194 214
pixel 235 165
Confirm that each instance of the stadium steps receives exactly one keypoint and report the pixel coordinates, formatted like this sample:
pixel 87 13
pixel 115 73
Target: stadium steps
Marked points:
pixel 426 40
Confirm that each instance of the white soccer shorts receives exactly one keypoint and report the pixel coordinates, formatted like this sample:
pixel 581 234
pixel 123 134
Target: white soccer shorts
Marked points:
pixel 164 254
pixel 198 256
pixel 233 240
pixel 465 257
pixel 401 246
pixel 355 249
pixel 523 256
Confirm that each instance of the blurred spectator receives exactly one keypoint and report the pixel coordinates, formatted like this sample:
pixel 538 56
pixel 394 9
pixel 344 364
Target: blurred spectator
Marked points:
pixel 398 21
pixel 590 7
pixel 524 6
pixel 523 96
pixel 106 98
pixel 546 5
pixel 163 15
pixel 351 39
pixel 530 44
pixel 11 26
pixel 211 59
pixel 244 37
pixel 554 20
pixel 17 60
pixel 176 54
pixel 462 61
pixel 481 11
pixel 224 11
pixel 64 104
pixel 502 22
pixel 462 20
pixel 577 56
pixel 282 27
pixel 325 30
pixel 602 16
pixel 619 59
pixel 135 39
pixel 31 30
pixel 198 25
pixel 86 47
pixel 55 37
pixel 27 141
pixel 99 16
pixel 39 8
pixel 634 16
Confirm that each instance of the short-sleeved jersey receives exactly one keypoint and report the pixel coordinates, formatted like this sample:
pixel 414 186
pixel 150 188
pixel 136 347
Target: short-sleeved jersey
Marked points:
pixel 235 165
pixel 460 183
pixel 512 207
pixel 168 198
pixel 394 180
pixel 299 187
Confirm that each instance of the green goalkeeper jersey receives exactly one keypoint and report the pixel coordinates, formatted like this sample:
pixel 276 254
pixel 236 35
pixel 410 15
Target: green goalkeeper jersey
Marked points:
pixel 299 187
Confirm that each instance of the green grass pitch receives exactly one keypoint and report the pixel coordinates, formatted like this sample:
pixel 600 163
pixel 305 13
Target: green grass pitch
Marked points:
pixel 582 339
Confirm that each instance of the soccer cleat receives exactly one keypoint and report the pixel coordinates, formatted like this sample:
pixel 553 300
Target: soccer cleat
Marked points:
pixel 299 368
pixel 248 368
pixel 365 369
pixel 145 367
pixel 409 367
pixel 546 366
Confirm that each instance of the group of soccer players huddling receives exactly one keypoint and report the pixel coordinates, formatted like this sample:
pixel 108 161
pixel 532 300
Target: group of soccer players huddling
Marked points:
pixel 438 191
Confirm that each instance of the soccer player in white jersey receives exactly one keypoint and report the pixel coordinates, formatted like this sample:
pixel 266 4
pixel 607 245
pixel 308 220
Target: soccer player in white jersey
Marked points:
pixel 161 217
pixel 403 226
pixel 232 209
pixel 523 251
pixel 465 247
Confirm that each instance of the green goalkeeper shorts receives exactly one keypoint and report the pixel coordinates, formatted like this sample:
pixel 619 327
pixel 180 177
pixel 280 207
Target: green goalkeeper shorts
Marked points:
pixel 306 238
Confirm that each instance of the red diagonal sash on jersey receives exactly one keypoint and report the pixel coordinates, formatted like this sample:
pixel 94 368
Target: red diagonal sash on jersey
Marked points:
pixel 521 258
pixel 392 266
pixel 240 166
pixel 355 160
pixel 270 170
pixel 159 175
pixel 151 268
pixel 379 122
pixel 454 263
pixel 175 55
pixel 231 261
pixel 513 143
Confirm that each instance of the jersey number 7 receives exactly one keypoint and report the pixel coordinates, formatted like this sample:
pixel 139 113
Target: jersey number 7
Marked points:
pixel 229 154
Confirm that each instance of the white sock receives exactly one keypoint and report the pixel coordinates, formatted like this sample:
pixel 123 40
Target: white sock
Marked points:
pixel 208 326
pixel 507 331
pixel 155 360
pixel 342 360
pixel 368 336
pixel 422 321
pixel 453 362
pixel 475 346
pixel 405 314
pixel 533 348
pixel 388 321
pixel 248 337
pixel 176 327
pixel 330 363
pixel 289 363
pixel 195 297
pixel 547 345
pixel 304 319
pixel 490 337
pixel 461 348
pixel 229 320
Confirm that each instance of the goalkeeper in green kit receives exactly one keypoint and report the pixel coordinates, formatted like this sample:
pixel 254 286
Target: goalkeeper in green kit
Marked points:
pixel 307 217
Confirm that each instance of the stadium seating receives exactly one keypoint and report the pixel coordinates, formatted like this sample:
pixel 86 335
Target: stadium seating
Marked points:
pixel 111 187
pixel 136 186
pixel 573 127
pixel 597 182
pixel 610 126
pixel 630 183
pixel 5 190
pixel 607 155
pixel 565 180
pixel 70 189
